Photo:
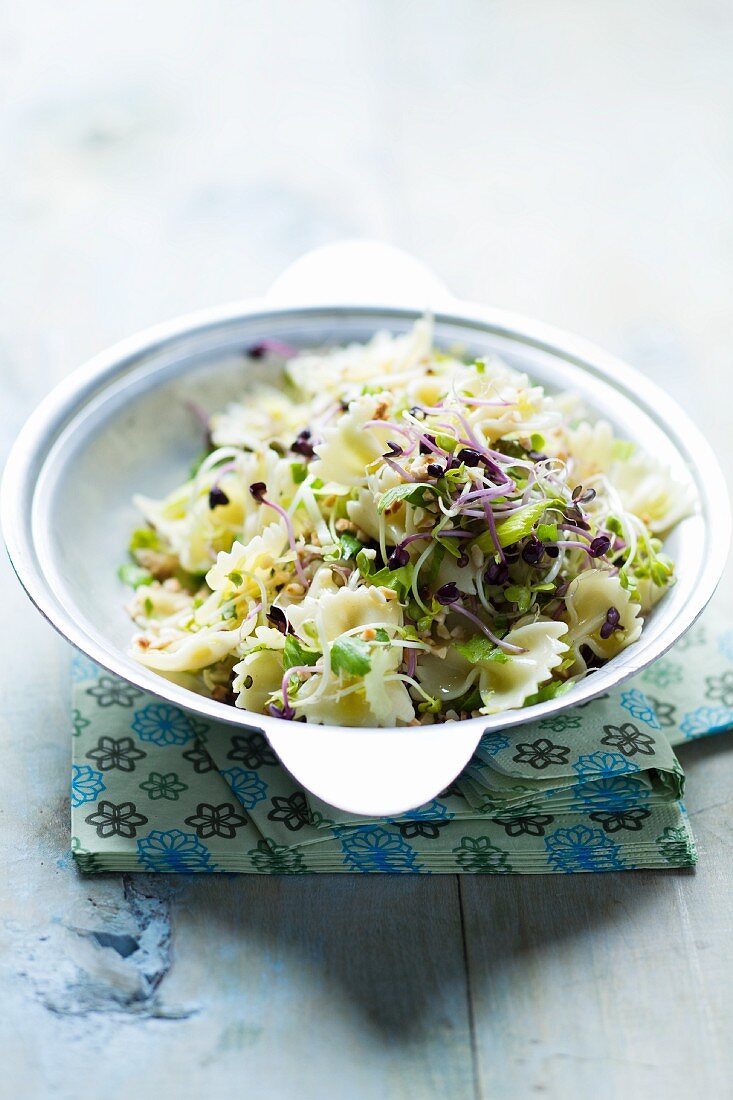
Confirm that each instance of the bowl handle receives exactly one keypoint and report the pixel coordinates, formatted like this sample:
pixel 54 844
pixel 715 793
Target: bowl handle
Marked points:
pixel 355 272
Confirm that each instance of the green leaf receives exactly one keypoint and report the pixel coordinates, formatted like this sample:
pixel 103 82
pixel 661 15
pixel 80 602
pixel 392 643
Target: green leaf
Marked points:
pixel 382 635
pixel 399 580
pixel 660 573
pixel 455 477
pixel 480 366
pixel 451 545
pixel 470 701
pixel 299 470
pixel 134 575
pixel 295 653
pixel 479 649
pixel 549 691
pixel 537 441
pixel 430 705
pixel 412 492
pixel 512 448
pixel 144 538
pixel 365 563
pixel 236 578
pixel 517 526
pixel 547 532
pixel 446 442
pixel 408 633
pixel 429 572
pixel 520 595
pixel 501 625
pixel 350 655
pixel 350 546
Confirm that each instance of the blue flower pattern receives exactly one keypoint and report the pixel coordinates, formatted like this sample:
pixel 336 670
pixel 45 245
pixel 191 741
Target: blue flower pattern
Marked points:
pixel 162 724
pixel 173 850
pixel 246 786
pixel 615 792
pixel 374 848
pixel 603 764
pixel 429 811
pixel 493 743
pixel 725 644
pixel 86 784
pixel 706 720
pixel 579 848
pixel 82 669
pixel 639 706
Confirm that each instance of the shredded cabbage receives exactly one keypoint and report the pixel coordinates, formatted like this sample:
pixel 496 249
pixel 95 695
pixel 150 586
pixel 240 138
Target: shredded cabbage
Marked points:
pixel 398 535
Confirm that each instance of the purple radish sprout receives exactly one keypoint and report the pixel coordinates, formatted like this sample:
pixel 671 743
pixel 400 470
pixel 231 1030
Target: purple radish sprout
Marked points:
pixel 272 346
pixel 258 490
pixel 297 670
pixel 506 646
pixel 574 530
pixel 491 523
pixel 200 413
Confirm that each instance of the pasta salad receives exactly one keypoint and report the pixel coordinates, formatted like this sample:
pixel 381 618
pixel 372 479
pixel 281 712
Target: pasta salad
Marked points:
pixel 397 535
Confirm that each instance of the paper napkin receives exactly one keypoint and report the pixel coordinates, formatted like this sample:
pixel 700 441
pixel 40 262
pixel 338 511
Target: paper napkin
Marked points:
pixel 597 788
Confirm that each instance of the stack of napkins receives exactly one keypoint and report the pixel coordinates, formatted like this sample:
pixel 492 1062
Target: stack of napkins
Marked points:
pixel 597 788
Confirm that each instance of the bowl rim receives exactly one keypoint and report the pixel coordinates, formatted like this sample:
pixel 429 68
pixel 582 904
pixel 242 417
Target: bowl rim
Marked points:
pixel 61 405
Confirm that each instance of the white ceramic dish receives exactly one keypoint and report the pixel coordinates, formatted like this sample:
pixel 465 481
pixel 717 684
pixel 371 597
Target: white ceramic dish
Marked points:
pixel 119 425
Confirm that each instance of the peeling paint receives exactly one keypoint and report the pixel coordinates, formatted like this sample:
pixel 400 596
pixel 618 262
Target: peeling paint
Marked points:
pixel 118 968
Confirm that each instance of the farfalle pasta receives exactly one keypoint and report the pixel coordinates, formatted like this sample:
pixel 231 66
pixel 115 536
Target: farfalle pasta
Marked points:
pixel 399 535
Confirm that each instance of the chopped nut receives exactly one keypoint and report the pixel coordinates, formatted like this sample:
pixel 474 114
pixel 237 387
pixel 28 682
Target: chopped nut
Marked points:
pixel 342 525
pixel 161 565
pixel 380 410
pixel 420 468
pixel 294 589
pixel 369 634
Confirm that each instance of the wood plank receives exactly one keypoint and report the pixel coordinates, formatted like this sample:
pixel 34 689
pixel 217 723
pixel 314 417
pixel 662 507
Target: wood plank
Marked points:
pixel 564 160
pixel 610 985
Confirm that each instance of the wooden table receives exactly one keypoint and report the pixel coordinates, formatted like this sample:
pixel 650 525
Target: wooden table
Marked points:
pixel 567 160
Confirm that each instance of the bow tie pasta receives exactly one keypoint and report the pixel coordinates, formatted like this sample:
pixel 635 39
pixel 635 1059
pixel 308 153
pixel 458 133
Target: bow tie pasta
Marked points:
pixel 390 534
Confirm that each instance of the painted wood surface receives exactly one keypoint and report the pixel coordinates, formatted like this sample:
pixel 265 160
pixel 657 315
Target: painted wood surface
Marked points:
pixel 568 160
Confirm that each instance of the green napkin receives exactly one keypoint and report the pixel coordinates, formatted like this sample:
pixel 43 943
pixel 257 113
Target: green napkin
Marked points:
pixel 598 788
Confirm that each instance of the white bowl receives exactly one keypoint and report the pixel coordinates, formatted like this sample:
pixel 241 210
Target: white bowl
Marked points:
pixel 119 425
